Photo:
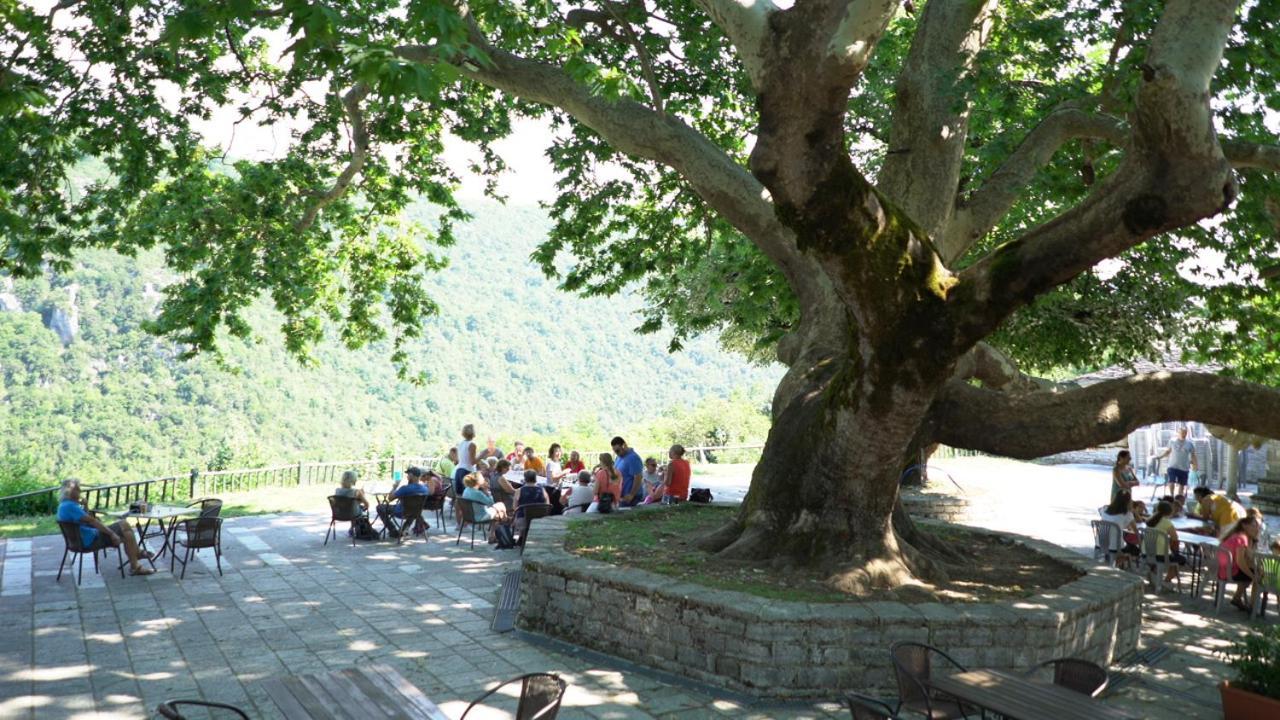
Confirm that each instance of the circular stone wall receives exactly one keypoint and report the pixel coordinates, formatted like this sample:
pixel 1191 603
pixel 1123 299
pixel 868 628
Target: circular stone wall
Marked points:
pixel 781 649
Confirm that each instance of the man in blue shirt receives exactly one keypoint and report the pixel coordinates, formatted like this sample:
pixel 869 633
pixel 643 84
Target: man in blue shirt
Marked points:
pixel 93 534
pixel 414 486
pixel 629 466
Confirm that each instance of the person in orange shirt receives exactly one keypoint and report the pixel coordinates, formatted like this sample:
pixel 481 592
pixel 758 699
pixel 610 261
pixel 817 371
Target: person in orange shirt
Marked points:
pixel 533 462
pixel 677 475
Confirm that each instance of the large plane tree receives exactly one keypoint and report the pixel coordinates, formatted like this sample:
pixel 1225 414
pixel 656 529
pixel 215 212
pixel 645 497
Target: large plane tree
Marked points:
pixel 901 199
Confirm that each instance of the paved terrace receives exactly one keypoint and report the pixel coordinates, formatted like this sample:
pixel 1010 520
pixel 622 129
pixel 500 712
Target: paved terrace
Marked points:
pixel 115 647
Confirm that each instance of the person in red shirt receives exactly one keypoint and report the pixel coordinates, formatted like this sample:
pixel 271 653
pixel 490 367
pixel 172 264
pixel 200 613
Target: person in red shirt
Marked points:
pixel 678 474
pixel 575 464
pixel 1240 570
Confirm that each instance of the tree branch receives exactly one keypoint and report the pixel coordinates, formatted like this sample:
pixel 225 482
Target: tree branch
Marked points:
pixel 1244 154
pixel 931 113
pixel 979 214
pixel 610 20
pixel 359 154
pixel 1173 175
pixel 1036 424
pixel 745 22
pixel 637 130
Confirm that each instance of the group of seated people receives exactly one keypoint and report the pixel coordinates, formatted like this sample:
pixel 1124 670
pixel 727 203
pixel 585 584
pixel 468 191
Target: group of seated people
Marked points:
pixel 1238 531
pixel 566 487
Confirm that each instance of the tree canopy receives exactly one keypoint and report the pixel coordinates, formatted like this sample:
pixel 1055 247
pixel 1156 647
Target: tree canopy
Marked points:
pixel 883 190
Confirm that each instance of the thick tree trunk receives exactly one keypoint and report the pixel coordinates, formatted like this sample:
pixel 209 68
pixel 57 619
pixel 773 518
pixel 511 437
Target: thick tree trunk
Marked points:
pixel 826 488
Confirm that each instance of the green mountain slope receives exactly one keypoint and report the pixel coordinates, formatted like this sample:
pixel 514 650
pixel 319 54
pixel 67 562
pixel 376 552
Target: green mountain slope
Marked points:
pixel 508 352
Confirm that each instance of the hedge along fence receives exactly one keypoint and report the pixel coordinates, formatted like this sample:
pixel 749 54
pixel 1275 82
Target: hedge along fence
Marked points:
pixel 176 488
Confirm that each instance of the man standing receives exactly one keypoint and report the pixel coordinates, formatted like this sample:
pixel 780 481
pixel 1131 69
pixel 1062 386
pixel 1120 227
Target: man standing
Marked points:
pixel 1182 461
pixel 466 458
pixel 94 535
pixel 629 465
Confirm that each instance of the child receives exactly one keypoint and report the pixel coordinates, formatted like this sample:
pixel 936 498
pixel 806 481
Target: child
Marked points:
pixel 652 479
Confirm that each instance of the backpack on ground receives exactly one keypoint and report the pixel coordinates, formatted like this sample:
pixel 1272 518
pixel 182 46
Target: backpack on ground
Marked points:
pixel 605 504
pixel 364 529
pixel 700 495
pixel 505 536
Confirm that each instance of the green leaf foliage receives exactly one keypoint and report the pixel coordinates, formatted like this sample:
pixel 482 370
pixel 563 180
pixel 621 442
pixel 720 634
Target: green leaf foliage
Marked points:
pixel 505 351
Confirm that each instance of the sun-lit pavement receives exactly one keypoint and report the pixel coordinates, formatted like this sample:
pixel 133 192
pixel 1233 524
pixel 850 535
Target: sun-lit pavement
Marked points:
pixel 115 647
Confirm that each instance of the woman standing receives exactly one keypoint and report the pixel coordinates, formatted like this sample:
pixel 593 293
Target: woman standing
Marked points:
pixel 1122 475
pixel 466 457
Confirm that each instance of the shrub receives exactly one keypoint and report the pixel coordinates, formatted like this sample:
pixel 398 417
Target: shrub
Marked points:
pixel 17 477
pixel 1256 660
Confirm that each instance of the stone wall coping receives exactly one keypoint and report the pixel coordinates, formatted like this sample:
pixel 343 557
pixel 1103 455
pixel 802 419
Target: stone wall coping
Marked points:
pixel 545 552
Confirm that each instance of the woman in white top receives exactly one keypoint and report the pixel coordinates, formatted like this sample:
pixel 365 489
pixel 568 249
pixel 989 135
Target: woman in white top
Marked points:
pixel 554 471
pixel 466 457
pixel 1118 512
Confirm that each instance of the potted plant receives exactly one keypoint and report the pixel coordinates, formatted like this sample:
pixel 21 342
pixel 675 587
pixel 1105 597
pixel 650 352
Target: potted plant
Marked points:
pixel 1255 691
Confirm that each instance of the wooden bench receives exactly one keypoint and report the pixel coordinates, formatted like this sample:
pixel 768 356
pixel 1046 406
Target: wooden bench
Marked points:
pixel 375 691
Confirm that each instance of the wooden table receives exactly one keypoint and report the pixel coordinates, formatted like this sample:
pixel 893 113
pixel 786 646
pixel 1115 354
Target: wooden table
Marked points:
pixel 1019 698
pixel 371 691
pixel 160 515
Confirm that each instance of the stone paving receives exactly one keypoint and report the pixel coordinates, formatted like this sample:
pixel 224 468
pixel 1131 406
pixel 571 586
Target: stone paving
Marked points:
pixel 114 647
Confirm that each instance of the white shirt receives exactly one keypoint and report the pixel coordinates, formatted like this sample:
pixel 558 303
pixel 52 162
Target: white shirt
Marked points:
pixel 1124 521
pixel 467 456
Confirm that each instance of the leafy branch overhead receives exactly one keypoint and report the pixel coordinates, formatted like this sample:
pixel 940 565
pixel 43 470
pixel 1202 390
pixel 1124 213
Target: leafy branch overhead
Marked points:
pixel 982 122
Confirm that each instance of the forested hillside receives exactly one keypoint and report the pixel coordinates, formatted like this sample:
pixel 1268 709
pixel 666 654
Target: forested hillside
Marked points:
pixel 85 390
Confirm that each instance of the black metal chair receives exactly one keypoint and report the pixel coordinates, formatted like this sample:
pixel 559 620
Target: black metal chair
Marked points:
pixel 1082 676
pixel 540 695
pixel 411 507
pixel 74 546
pixel 529 513
pixel 913 666
pixel 468 508
pixel 435 503
pixel 342 509
pixel 169 709
pixel 197 534
pixel 209 507
pixel 862 707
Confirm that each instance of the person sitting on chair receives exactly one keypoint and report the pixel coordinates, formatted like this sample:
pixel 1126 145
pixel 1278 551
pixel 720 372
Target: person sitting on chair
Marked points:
pixel 1241 571
pixel 530 493
pixel 94 535
pixel 580 498
pixel 348 489
pixel 494 512
pixel 414 486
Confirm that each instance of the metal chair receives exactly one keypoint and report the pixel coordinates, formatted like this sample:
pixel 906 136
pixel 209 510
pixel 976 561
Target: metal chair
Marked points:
pixel 529 513
pixel 913 666
pixel 468 508
pixel 342 509
pixel 1082 676
pixel 540 694
pixel 169 709
pixel 411 507
pixel 1107 541
pixel 197 534
pixel 862 707
pixel 74 546
pixel 209 507
pixel 435 503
